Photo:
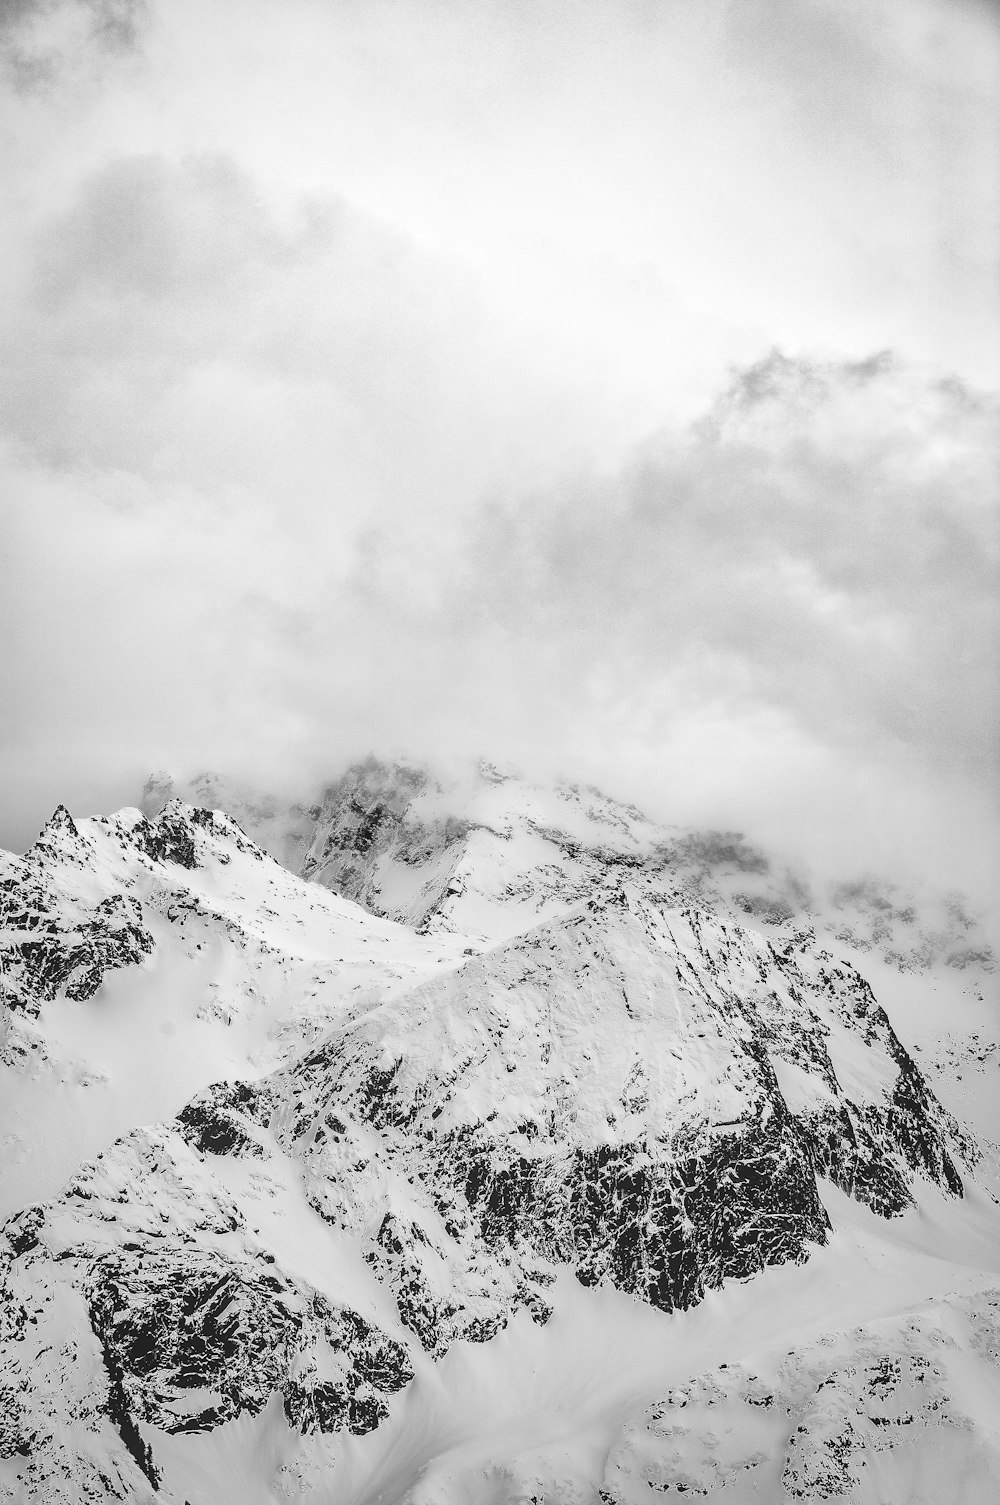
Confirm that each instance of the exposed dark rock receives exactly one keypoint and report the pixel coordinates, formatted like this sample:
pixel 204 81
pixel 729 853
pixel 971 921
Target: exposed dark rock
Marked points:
pixel 168 839
pixel 178 1322
pixel 715 849
pixel 51 954
pixel 121 1417
pixel 216 1121
pixel 774 911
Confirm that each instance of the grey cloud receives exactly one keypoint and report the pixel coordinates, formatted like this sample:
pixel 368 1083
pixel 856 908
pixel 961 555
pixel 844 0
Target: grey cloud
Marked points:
pixel 118 23
pixel 44 41
pixel 828 535
pixel 783 616
pixel 147 228
pixel 245 446
pixel 802 589
pixel 174 323
pixel 115 21
pixel 14 13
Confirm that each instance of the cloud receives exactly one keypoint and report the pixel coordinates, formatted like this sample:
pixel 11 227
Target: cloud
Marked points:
pixel 823 544
pixel 792 604
pixel 368 387
pixel 43 42
pixel 173 323
pixel 784 615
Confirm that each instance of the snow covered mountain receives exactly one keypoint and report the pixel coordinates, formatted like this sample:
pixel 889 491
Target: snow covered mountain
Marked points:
pixel 564 1169
pixel 494 854
pixel 142 960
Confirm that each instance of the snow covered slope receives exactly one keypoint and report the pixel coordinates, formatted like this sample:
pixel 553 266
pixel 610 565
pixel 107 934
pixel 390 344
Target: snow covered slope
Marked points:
pixel 636 1096
pixel 141 960
pixel 625 1188
pixel 493 855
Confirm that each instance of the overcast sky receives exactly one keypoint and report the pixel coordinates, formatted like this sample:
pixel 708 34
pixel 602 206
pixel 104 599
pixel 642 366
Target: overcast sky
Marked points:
pixel 606 385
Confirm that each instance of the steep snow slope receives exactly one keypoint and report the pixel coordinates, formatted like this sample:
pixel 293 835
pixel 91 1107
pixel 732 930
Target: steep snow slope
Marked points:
pixel 140 960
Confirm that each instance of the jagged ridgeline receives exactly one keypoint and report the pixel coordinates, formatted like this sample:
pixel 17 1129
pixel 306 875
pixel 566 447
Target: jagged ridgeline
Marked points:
pixel 610 1075
pixel 496 854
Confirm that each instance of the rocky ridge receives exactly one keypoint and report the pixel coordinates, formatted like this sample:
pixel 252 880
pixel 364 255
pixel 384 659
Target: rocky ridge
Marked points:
pixel 97 896
pixel 494 854
pixel 141 960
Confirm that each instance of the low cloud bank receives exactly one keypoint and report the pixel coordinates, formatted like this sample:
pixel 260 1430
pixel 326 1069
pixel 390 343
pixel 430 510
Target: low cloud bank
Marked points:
pixel 355 404
pixel 782 616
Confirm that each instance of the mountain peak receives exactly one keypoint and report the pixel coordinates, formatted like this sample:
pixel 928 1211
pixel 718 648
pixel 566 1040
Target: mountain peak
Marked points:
pixel 60 821
pixel 61 835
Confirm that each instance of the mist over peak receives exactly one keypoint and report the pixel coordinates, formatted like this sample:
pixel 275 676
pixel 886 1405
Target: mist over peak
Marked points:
pixel 376 420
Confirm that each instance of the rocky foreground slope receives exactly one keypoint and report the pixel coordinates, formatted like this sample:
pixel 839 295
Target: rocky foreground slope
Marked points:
pixel 431 1156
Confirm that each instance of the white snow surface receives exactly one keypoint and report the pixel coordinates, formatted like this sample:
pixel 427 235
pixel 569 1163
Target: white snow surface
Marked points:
pixel 542 981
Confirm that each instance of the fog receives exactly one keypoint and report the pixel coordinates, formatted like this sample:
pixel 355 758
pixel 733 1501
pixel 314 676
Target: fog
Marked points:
pixel 610 388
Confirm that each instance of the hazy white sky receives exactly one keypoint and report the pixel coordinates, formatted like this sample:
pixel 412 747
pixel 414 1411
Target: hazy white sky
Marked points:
pixel 402 375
